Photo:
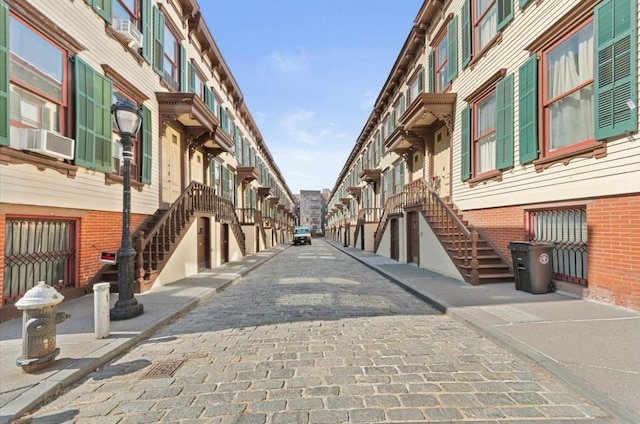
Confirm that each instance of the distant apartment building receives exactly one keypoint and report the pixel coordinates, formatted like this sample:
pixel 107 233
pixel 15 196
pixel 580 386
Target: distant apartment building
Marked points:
pixel 311 215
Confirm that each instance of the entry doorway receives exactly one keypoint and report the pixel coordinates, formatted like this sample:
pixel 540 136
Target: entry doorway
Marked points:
pixel 172 173
pixel 395 239
pixel 224 244
pixel 413 233
pixel 204 241
pixel 442 162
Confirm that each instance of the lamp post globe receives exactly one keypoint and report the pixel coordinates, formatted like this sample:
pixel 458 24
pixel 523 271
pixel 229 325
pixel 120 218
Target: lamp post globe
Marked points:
pixel 127 117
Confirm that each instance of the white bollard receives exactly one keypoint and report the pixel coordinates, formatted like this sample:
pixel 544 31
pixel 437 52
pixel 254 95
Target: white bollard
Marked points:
pixel 101 306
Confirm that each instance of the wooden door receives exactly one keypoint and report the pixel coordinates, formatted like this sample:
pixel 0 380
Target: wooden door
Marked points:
pixel 224 244
pixel 395 239
pixel 442 162
pixel 172 173
pixel 203 244
pixel 197 167
pixel 413 233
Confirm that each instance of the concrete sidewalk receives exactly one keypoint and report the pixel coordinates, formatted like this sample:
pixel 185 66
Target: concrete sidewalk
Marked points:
pixel 591 346
pixel 81 353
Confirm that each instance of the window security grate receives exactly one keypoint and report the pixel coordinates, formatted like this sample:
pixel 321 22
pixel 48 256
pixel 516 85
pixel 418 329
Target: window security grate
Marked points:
pixel 567 229
pixel 37 250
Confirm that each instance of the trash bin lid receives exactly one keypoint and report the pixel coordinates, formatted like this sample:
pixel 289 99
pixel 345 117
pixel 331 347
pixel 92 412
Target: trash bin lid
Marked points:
pixel 519 246
pixel 39 296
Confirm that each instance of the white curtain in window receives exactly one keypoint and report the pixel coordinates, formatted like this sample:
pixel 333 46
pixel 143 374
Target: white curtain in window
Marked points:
pixel 571 117
pixel 485 128
pixel 487 27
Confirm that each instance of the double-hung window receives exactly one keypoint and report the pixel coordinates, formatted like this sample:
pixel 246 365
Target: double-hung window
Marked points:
pixel 568 90
pixel 481 22
pixel 125 9
pixel 583 89
pixel 38 80
pixel 443 60
pixel 487 129
pixel 416 86
pixel 170 64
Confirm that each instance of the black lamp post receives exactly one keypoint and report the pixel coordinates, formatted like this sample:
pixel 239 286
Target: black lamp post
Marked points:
pixel 127 118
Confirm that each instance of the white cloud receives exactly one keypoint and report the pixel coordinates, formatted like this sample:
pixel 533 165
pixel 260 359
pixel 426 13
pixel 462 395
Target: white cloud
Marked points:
pixel 309 169
pixel 289 63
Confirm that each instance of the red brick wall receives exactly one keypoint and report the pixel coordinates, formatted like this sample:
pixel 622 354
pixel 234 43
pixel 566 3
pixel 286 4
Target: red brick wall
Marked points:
pixel 613 241
pixel 500 225
pixel 96 231
pixel 99 231
pixel 614 250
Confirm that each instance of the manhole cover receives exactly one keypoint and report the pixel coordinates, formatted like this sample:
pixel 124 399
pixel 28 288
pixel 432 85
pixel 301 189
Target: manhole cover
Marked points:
pixel 163 369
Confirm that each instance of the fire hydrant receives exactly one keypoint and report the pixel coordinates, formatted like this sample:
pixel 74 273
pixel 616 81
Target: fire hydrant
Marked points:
pixel 39 326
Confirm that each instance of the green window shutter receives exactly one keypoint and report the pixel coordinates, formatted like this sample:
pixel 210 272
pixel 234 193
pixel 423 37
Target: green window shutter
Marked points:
pixel 421 81
pixel 4 74
pixel 504 129
pixel 212 173
pixel 85 114
pixel 466 33
pixel 146 147
pixel 523 3
pixel 465 144
pixel 183 69
pixel 103 125
pixel 505 13
pixel 452 48
pixel 146 20
pixel 431 72
pixel 102 8
pixel 192 77
pixel 527 101
pixel 208 99
pixel 158 41
pixel 616 68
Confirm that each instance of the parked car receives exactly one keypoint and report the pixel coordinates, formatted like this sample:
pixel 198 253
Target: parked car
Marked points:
pixel 301 235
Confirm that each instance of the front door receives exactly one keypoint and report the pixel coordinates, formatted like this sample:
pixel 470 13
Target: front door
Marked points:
pixel 224 244
pixel 197 167
pixel 413 231
pixel 172 174
pixel 442 163
pixel 203 243
pixel 395 240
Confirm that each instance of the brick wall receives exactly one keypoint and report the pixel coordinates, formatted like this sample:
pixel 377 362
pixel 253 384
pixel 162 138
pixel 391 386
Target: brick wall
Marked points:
pixel 500 225
pixel 613 243
pixel 96 231
pixel 99 231
pixel 614 246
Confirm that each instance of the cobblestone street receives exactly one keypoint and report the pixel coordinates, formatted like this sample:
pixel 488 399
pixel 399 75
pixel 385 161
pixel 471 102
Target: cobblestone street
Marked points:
pixel 313 336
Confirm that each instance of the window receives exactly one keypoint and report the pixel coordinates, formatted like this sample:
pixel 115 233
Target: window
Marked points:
pixel 399 108
pixel 388 125
pixel 568 90
pixel 586 78
pixel 171 59
pixel 195 81
pixel 440 65
pixel 487 130
pixel 484 23
pixel 416 86
pixel 38 80
pixel 567 230
pixel 481 22
pixel 38 250
pixel 484 134
pixel 125 9
pixel 443 59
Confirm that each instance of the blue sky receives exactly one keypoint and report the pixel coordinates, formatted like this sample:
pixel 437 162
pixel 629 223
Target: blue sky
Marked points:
pixel 310 71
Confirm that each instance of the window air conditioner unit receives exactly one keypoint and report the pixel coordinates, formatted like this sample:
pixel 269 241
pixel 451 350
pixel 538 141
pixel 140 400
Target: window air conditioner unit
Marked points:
pixel 48 143
pixel 128 32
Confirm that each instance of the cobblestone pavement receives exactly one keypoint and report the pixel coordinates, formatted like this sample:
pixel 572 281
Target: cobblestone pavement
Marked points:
pixel 313 336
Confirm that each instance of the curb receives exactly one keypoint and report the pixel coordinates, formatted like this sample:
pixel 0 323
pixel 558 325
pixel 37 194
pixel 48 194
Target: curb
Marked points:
pixel 46 390
pixel 520 349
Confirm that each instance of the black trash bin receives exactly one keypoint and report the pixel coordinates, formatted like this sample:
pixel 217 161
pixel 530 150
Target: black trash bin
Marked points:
pixel 532 266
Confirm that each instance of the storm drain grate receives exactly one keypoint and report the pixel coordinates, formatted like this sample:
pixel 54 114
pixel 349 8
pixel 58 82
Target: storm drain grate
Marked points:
pixel 163 369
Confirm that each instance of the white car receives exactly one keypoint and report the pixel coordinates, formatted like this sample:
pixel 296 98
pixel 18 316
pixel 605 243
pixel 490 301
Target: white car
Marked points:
pixel 301 235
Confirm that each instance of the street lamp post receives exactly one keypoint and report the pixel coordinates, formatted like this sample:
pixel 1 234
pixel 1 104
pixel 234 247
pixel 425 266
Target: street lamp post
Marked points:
pixel 127 118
